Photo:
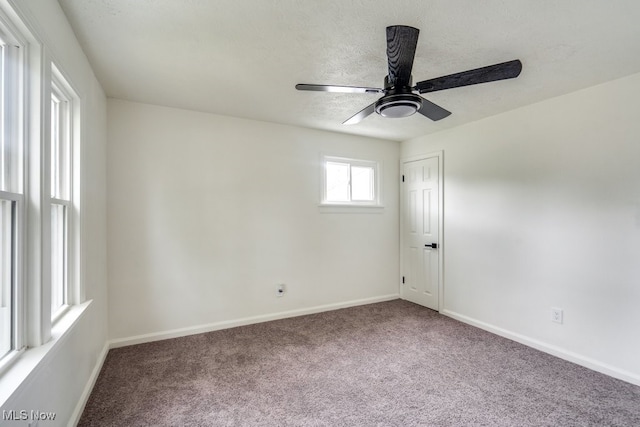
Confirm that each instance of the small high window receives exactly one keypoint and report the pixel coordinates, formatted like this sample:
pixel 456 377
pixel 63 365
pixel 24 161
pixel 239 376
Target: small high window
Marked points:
pixel 350 182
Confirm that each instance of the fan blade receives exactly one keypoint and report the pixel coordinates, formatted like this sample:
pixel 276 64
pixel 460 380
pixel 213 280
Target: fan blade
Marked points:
pixel 433 111
pixel 357 118
pixel 340 89
pixel 401 49
pixel 505 70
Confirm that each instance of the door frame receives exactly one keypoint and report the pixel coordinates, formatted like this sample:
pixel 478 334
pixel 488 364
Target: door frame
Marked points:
pixel 440 156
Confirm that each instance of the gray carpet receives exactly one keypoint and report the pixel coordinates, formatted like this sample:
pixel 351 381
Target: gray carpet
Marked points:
pixel 386 364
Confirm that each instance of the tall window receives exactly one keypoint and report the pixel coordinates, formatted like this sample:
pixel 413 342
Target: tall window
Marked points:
pixel 61 177
pixel 39 193
pixel 11 191
pixel 350 181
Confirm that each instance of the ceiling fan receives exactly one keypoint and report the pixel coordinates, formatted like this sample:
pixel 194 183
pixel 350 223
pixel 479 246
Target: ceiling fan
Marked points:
pixel 400 98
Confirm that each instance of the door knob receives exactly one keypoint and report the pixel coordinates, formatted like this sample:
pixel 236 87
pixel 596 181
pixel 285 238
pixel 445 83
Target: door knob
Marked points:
pixel 431 245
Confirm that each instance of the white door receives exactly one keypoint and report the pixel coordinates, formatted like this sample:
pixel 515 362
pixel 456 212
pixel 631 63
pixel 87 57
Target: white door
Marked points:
pixel 420 240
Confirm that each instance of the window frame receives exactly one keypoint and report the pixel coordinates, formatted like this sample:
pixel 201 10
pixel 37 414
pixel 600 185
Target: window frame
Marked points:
pixel 65 192
pixel 352 162
pixel 13 95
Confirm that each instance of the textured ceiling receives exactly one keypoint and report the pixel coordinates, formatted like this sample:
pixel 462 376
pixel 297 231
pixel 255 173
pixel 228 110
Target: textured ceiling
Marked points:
pixel 243 57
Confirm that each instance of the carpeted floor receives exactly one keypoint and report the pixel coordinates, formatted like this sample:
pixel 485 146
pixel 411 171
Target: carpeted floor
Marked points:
pixel 386 364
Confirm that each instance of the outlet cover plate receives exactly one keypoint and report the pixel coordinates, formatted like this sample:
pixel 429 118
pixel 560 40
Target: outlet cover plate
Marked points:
pixel 556 315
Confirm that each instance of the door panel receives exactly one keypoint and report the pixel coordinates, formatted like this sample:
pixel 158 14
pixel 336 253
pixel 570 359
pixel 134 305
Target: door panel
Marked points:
pixel 420 212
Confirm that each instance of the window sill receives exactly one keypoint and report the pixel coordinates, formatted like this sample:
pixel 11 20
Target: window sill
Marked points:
pixel 344 208
pixel 26 366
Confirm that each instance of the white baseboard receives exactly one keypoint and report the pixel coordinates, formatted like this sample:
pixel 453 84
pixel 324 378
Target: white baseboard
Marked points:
pixel 82 402
pixel 550 349
pixel 226 324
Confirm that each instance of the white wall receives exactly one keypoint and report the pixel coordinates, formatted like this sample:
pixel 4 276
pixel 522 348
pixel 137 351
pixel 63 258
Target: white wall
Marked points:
pixel 542 209
pixel 208 213
pixel 58 382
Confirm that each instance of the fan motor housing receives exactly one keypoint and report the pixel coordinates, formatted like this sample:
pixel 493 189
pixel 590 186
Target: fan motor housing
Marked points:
pixel 398 105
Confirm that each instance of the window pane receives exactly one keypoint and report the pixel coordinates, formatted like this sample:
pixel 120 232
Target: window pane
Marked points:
pixel 58 257
pixel 4 149
pixel 362 179
pixel 6 274
pixel 337 182
pixel 60 144
pixel 10 121
pixel 55 147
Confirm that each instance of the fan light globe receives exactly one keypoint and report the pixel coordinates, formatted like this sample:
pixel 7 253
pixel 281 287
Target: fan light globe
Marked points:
pixel 398 110
pixel 398 105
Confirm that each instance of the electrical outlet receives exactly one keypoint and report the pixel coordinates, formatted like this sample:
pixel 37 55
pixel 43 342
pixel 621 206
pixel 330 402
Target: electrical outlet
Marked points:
pixel 556 315
pixel 280 290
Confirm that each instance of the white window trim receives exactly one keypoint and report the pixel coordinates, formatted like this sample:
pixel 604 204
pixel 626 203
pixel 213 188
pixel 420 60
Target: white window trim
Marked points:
pixel 73 292
pixel 27 362
pixel 15 113
pixel 374 206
